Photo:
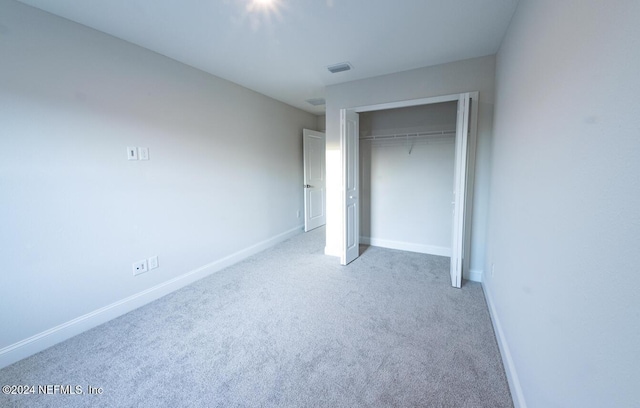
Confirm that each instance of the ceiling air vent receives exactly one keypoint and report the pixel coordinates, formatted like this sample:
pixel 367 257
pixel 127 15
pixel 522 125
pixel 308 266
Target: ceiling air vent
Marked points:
pixel 344 66
pixel 316 101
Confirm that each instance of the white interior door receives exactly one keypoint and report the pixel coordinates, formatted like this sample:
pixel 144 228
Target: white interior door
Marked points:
pixel 459 190
pixel 349 139
pixel 315 197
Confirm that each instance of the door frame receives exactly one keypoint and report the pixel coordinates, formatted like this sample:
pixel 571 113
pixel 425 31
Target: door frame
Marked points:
pixel 466 167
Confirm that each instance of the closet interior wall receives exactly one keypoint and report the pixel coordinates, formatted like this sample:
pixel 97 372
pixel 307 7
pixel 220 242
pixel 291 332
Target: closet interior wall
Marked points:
pixel 406 179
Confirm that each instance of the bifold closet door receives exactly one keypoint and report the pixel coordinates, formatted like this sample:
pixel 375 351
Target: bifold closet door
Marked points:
pixel 350 124
pixel 459 190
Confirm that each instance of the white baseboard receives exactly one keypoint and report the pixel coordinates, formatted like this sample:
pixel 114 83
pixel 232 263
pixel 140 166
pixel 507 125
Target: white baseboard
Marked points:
pixel 34 344
pixel 507 359
pixel 406 246
pixel 475 275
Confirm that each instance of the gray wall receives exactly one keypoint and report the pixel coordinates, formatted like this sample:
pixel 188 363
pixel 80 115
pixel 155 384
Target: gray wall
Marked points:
pixel 224 175
pixel 565 203
pixel 321 123
pixel 476 74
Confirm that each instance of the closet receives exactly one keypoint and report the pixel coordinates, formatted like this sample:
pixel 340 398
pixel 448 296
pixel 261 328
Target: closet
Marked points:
pixel 407 165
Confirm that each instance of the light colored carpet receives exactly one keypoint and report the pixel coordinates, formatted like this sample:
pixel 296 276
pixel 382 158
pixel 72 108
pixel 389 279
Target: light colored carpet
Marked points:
pixel 288 327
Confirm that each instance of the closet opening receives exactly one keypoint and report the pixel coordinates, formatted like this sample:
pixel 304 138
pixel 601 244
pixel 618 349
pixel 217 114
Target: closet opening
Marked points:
pixel 407 163
pixel 408 177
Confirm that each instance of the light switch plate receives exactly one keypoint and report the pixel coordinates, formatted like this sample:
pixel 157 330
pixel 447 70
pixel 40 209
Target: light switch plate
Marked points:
pixel 153 262
pixel 143 153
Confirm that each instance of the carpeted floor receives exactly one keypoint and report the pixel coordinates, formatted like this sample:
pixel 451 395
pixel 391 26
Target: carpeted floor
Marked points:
pixel 288 327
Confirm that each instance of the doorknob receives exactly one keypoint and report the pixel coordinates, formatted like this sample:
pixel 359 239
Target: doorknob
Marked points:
pixel 352 197
pixel 307 186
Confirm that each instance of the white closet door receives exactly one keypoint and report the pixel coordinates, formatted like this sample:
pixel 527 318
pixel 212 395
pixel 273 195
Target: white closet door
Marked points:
pixel 459 190
pixel 349 132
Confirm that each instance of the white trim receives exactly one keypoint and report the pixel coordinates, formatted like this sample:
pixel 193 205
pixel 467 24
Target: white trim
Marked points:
pixel 507 359
pixel 407 246
pixel 475 275
pixel 25 348
pixel 407 103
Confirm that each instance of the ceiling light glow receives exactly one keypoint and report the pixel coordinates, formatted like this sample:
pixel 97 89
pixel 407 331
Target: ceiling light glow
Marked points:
pixel 262 5
pixel 262 13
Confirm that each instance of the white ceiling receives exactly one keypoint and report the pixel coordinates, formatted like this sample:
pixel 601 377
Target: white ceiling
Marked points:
pixel 284 52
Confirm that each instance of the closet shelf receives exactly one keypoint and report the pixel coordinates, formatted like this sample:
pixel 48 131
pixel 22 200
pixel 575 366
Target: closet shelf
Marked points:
pixel 411 136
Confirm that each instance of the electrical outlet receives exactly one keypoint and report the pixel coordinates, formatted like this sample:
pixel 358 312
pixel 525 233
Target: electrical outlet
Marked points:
pixel 132 153
pixel 140 267
pixel 298 213
pixel 153 262
pixel 493 269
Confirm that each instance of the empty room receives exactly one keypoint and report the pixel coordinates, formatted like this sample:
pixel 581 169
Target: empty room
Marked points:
pixel 275 203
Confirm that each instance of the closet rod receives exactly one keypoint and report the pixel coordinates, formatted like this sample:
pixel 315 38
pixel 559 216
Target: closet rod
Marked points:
pixel 409 135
